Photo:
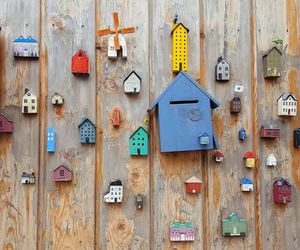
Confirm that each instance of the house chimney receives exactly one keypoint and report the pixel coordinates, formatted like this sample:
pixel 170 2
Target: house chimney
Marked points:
pixel 26 90
pixel 220 59
pixel 175 19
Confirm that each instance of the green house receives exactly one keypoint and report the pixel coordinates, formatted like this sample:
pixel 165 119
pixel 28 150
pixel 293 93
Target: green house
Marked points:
pixel 272 63
pixel 234 226
pixel 138 142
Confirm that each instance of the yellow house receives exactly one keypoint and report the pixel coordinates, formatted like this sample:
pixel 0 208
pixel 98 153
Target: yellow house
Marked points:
pixel 249 158
pixel 29 103
pixel 180 47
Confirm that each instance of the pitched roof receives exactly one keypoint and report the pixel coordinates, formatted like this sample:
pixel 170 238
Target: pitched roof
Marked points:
pixel 270 126
pixel 282 181
pixel 116 183
pixel 218 154
pixel 132 72
pixel 220 59
pixel 193 179
pixel 213 102
pixel 22 39
pixel 138 130
pixel 80 52
pixel 249 154
pixel 2 117
pixel 246 181
pixel 268 52
pixel 232 215
pixel 86 120
pixel 63 167
pixel 187 30
pixel 186 224
pixel 28 175
pixel 285 96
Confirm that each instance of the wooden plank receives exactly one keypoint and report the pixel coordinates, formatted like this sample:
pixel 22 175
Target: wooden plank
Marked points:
pixel 18 151
pixel 123 226
pixel 68 208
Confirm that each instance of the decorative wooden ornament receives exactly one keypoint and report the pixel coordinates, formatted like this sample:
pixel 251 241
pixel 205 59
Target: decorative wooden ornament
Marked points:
pixel 28 178
pixel 115 193
pixel 246 185
pixel 272 63
pixel 116 117
pixel 269 131
pixel 62 173
pixel 193 185
pixel 282 191
pixel 271 160
pixel 132 83
pixel 138 142
pixel 219 156
pixel 139 201
pixel 297 138
pixel 242 134
pixel 249 159
pixel 51 140
pixel 6 126
pixel 57 99
pixel 235 105
pixel 222 70
pixel 29 103
pixel 80 63
pixel 287 105
pixel 87 132
pixel 25 47
pixel 182 232
pixel 234 225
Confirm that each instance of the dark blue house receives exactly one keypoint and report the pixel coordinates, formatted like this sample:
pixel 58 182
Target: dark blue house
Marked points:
pixel 184 116
pixel 87 131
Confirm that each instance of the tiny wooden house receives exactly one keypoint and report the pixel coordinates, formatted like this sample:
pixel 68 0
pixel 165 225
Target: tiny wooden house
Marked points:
pixel 269 131
pixel 138 142
pixel 6 126
pixel 282 191
pixel 115 193
pixel 204 138
pixel 25 47
pixel 116 117
pixel 51 140
pixel 222 70
pixel 80 63
pixel 287 105
pixel 235 105
pixel 179 47
pixel 57 99
pixel 193 185
pixel 132 83
pixel 234 225
pixel 28 178
pixel 271 160
pixel 297 138
pixel 182 232
pixel 87 131
pixel 272 63
pixel 219 156
pixel 246 185
pixel 184 115
pixel 242 134
pixel 249 159
pixel 29 103
pixel 62 173
pixel 139 201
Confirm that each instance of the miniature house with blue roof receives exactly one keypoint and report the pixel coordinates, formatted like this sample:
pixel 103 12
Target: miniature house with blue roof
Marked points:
pixel 87 131
pixel 184 116
pixel 246 185
pixel 139 142
pixel 26 47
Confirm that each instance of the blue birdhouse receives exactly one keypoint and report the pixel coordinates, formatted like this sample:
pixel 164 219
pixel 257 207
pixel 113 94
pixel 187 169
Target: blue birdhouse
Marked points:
pixel 242 134
pixel 184 116
pixel 51 140
pixel 87 132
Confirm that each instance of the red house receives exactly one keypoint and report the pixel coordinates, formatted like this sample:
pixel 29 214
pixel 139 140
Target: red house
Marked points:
pixel 219 156
pixel 6 126
pixel 282 191
pixel 80 63
pixel 62 173
pixel 193 185
pixel 269 131
pixel 116 117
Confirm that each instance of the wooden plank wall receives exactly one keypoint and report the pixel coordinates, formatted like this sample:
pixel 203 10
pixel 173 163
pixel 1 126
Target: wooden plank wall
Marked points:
pixel 48 215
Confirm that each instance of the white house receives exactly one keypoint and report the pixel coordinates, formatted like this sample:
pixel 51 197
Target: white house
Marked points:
pixel 29 103
pixel 287 105
pixel 271 160
pixel 115 193
pixel 246 185
pixel 132 83
pixel 222 70
pixel 28 178
pixel 57 99
pixel 112 52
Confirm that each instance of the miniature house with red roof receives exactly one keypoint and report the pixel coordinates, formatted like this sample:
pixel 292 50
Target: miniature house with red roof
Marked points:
pixel 219 156
pixel 6 126
pixel 249 158
pixel 80 63
pixel 282 191
pixel 62 173
pixel 193 185
pixel 269 131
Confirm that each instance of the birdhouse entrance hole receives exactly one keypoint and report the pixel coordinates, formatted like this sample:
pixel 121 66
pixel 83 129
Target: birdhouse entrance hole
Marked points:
pixel 184 102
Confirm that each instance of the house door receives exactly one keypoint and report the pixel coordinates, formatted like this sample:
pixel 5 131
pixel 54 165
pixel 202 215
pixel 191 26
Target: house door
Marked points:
pixel 134 90
pixel 220 75
pixel 138 151
pixel 56 101
pixel 234 230
pixel 116 200
pixel 25 109
pixel 289 111
pixel 87 140
pixel 180 66
pixel 182 237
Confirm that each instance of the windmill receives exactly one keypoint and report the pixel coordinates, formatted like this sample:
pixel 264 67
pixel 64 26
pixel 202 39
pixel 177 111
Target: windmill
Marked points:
pixel 116 40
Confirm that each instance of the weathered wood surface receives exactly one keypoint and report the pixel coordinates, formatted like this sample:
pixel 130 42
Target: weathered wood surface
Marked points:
pixel 51 215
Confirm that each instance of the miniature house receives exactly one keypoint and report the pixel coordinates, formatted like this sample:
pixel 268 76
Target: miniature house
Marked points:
pixel 271 160
pixel 51 140
pixel 139 201
pixel 282 191
pixel 62 173
pixel 287 105
pixel 249 159
pixel 112 51
pixel 182 232
pixel 235 105
pixel 269 131
pixel 132 83
pixel 297 138
pixel 6 126
pixel 80 63
pixel 234 226
pixel 222 70
pixel 138 142
pixel 29 103
pixel 242 134
pixel 179 47
pixel 272 63
pixel 193 185
pixel 246 185
pixel 115 193
pixel 116 117
pixel 28 178
pixel 87 131
pixel 26 47
pixel 219 156
pixel 184 115
pixel 57 99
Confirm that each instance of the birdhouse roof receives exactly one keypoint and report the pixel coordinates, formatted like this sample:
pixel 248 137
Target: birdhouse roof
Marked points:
pixel 269 51
pixel 27 175
pixel 203 134
pixel 233 215
pixel 80 52
pixel 22 39
pixel 285 96
pixel 213 102
pixel 140 128
pixel 236 99
pixel 186 224
pixel 2 117
pixel 132 73
pixel 193 179
pixel 282 181
pixel 270 126
pixel 56 95
pixel 249 155
pixel 271 157
pixel 179 24
pixel 218 154
pixel 62 166
pixel 116 183
pixel 246 181
pixel 84 121
pixel 221 59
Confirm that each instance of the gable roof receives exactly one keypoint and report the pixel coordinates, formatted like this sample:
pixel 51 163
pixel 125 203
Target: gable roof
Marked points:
pixel 28 93
pixel 271 156
pixel 221 59
pixel 2 117
pixel 204 134
pixel 269 51
pixel 78 52
pixel 63 167
pixel 213 102
pixel 86 120
pixel 116 183
pixel 28 175
pixel 132 72
pixel 270 126
pixel 246 181
pixel 186 224
pixel 282 181
pixel 249 154
pixel 193 179
pixel 137 131
pixel 218 154
pixel 22 39
pixel 179 24
pixel 285 96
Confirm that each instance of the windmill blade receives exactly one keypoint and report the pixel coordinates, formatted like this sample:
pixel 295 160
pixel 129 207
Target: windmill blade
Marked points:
pixel 117 42
pixel 104 32
pixel 127 30
pixel 116 20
